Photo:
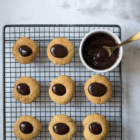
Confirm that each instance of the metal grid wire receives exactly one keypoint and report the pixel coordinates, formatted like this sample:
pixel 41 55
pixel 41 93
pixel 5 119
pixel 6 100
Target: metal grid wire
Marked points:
pixel 44 71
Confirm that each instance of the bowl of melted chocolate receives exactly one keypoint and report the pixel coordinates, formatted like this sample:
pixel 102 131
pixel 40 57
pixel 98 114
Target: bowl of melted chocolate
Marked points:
pixel 94 56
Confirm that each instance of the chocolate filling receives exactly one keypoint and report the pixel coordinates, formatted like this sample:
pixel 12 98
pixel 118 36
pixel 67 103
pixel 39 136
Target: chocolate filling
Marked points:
pixel 95 55
pixel 95 128
pixel 23 89
pixel 97 89
pixel 26 127
pixel 61 128
pixel 25 50
pixel 59 89
pixel 59 51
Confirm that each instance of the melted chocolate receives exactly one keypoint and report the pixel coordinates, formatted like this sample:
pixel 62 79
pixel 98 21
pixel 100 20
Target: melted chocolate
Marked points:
pixel 96 56
pixel 97 89
pixel 61 128
pixel 95 128
pixel 59 89
pixel 59 51
pixel 26 127
pixel 25 51
pixel 23 89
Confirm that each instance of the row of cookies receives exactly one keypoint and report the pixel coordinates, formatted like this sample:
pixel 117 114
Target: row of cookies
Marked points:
pixel 62 127
pixel 59 51
pixel 98 89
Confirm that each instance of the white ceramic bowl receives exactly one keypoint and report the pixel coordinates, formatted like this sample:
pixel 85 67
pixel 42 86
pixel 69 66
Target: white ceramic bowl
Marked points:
pixel 115 38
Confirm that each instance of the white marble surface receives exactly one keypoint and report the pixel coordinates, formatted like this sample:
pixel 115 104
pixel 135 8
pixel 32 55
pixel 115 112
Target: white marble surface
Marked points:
pixel 47 12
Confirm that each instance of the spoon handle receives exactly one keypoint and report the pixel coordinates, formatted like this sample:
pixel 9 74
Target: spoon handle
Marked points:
pixel 131 39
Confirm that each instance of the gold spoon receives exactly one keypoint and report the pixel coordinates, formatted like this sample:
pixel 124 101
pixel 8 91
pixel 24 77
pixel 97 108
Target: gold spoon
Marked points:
pixel 131 39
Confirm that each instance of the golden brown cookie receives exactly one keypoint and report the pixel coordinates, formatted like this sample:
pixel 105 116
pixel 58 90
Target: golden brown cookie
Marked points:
pixel 62 127
pixel 27 128
pixel 98 89
pixel 62 89
pixel 25 50
pixel 60 51
pixel 26 90
pixel 96 127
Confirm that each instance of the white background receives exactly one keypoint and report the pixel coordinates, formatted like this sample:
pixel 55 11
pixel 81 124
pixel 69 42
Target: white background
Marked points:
pixel 47 12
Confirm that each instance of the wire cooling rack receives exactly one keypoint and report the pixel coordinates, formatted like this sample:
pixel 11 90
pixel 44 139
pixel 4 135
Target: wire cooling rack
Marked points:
pixel 44 71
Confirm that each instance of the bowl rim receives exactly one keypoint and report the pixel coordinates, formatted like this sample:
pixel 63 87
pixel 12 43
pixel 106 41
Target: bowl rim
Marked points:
pixel 115 38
